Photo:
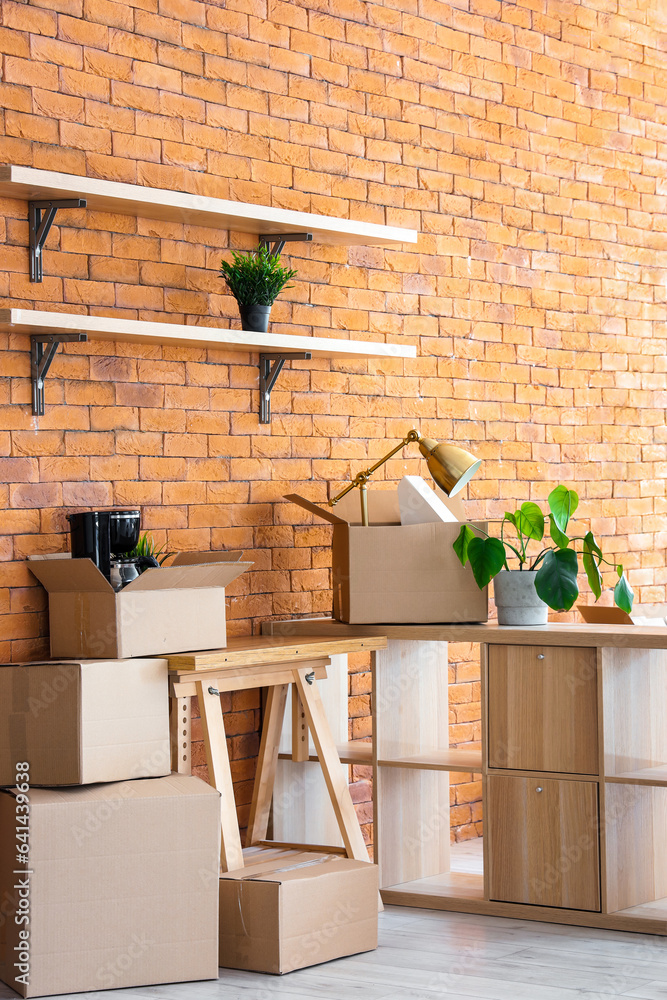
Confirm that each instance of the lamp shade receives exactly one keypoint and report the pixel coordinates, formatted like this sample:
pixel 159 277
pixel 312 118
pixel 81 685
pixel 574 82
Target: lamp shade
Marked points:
pixel 451 467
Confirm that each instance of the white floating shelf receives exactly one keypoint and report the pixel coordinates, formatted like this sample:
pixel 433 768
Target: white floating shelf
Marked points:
pixel 29 184
pixel 32 321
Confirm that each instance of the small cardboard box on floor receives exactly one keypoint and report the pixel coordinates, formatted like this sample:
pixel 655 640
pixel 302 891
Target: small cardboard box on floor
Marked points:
pixel 390 573
pixel 172 609
pixel 289 909
pixel 119 887
pixel 80 723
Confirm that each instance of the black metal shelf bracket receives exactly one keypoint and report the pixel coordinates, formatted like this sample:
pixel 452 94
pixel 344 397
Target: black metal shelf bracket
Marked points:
pixel 39 226
pixel 280 239
pixel 43 348
pixel 268 373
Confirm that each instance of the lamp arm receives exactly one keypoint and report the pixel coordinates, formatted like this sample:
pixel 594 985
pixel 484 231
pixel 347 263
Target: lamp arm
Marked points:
pixel 362 477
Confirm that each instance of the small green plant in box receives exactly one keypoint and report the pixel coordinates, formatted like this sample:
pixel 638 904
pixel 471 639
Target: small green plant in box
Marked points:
pixel 147 548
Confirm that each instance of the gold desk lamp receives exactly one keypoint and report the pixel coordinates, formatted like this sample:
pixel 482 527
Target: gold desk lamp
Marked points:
pixel 450 466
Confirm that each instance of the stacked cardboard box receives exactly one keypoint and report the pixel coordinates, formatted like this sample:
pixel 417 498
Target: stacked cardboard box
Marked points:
pixel 109 864
pixel 109 873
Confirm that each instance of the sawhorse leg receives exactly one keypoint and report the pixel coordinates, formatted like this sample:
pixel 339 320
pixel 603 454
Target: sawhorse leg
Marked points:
pixel 219 772
pixel 267 763
pixel 180 733
pixel 339 790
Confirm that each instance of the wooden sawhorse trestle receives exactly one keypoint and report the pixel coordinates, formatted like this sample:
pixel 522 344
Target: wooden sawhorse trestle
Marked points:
pixel 274 663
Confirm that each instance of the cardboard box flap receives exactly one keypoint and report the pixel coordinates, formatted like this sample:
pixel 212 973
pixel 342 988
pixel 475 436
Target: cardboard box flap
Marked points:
pixel 326 513
pixel 603 616
pixel 171 786
pixel 196 577
pixel 293 866
pixel 383 508
pixel 199 558
pixel 652 615
pixel 69 576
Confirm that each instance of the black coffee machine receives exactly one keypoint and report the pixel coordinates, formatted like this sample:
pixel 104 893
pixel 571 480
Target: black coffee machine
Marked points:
pixel 106 537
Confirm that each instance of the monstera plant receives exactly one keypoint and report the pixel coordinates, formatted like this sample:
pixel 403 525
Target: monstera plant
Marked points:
pixel 554 570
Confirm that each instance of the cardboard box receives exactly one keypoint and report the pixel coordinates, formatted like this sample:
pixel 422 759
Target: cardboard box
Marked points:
pixel 172 609
pixel 390 573
pixel 649 614
pixel 80 723
pixel 290 909
pixel 121 886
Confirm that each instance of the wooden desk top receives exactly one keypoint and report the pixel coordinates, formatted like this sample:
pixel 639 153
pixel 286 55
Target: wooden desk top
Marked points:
pixel 569 634
pixel 256 650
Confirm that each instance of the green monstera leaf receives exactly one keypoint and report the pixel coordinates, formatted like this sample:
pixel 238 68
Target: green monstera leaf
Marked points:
pixel 487 558
pixel 592 564
pixel 561 539
pixel 529 521
pixel 623 592
pixel 462 541
pixel 562 504
pixel 556 580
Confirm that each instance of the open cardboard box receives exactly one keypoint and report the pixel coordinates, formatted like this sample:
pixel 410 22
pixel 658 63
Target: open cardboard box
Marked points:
pixel 391 573
pixel 172 609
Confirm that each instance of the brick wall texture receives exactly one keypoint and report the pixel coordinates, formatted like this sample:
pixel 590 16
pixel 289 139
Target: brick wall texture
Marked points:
pixel 527 142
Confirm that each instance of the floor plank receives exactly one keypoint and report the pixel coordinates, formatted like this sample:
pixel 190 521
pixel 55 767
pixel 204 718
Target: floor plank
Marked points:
pixel 428 955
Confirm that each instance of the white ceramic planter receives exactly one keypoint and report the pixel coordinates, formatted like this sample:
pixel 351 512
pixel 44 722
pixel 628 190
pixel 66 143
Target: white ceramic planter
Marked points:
pixel 516 598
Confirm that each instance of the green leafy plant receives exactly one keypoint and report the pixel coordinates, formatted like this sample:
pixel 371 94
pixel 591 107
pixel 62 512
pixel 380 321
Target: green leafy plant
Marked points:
pixel 557 565
pixel 256 278
pixel 146 546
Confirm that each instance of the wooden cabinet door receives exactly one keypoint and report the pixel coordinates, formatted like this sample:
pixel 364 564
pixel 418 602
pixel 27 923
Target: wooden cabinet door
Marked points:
pixel 543 841
pixel 542 709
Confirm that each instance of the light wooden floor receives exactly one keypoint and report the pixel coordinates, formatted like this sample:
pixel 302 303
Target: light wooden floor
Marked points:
pixel 425 954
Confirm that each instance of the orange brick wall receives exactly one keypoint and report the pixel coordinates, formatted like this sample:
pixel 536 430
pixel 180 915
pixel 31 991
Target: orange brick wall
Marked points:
pixel 527 143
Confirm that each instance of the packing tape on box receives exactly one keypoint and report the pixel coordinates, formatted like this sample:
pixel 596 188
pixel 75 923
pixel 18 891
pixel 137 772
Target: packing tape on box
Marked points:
pixel 275 871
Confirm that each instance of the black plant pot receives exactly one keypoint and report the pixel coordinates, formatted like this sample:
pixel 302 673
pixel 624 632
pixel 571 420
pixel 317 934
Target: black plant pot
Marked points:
pixel 255 318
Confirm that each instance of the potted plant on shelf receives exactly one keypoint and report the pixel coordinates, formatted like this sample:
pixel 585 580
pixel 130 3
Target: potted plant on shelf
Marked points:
pixel 255 279
pixel 524 595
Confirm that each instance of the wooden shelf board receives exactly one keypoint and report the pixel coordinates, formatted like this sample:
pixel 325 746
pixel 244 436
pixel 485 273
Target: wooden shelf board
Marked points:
pixel 650 918
pixel 656 775
pixel 251 651
pixel 175 334
pixel 29 184
pixel 354 752
pixel 456 759
pixel 655 910
pixel 553 634
pixel 452 885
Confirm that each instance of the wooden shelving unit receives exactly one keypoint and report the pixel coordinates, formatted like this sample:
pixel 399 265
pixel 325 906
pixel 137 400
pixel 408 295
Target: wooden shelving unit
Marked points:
pixel 574 779
pixel 29 184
